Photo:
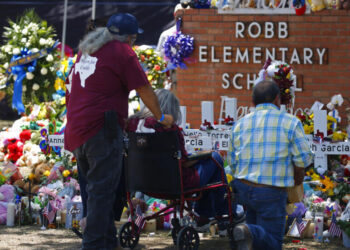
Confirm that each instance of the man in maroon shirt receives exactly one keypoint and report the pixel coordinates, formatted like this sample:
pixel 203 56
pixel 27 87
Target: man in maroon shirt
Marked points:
pixel 106 70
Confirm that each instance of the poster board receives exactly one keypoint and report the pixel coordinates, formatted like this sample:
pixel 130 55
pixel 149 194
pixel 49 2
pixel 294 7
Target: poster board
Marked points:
pixel 74 214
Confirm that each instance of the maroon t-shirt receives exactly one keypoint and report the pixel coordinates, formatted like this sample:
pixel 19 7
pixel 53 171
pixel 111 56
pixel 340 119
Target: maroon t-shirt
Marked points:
pixel 190 175
pixel 97 83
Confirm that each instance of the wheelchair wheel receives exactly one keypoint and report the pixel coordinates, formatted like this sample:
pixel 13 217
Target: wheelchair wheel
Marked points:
pixel 175 230
pixel 127 238
pixel 188 239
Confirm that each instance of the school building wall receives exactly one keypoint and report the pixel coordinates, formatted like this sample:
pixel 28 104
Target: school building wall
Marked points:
pixel 211 72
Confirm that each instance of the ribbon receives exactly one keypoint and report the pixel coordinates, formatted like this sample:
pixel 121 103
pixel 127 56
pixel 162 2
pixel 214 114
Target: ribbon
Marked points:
pixel 18 66
pixel 20 72
pixel 177 48
pixel 30 58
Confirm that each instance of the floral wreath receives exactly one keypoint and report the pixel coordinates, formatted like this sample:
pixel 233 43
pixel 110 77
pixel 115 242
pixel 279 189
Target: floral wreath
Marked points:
pixel 282 74
pixel 178 47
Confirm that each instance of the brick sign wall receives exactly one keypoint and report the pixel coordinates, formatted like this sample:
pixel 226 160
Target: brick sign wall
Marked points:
pixel 231 49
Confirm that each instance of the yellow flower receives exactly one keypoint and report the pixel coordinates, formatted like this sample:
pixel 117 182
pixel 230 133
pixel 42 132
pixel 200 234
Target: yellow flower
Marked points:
pixel 66 173
pixel 315 177
pixel 47 173
pixel 149 77
pixel 148 52
pixel 331 119
pixel 287 91
pixel 229 178
pixel 31 176
pixel 63 101
pixel 308 129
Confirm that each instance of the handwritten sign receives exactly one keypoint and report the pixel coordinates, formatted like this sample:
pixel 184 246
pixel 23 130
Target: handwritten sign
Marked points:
pixel 74 214
pixel 56 140
pixel 213 139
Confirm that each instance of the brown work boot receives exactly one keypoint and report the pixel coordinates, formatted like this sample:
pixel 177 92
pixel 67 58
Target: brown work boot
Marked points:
pixel 242 237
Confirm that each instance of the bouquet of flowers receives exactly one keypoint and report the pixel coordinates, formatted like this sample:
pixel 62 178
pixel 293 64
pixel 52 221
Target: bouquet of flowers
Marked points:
pixel 29 34
pixel 153 65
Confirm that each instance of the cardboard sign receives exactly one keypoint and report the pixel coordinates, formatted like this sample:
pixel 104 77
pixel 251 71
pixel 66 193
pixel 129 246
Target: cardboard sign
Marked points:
pixel 56 140
pixel 74 214
pixel 213 139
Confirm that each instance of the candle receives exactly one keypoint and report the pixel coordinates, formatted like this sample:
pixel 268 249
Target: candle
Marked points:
pixel 319 227
pixel 10 219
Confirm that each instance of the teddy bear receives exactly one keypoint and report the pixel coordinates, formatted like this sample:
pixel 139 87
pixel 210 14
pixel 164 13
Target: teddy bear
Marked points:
pixel 6 196
pixel 35 178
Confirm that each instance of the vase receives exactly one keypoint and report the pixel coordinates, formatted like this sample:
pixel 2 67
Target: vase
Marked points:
pixel 318 232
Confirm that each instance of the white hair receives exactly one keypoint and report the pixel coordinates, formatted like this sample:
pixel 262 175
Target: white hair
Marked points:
pixel 95 39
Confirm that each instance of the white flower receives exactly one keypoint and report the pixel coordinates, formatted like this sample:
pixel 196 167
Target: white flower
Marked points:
pixel 8 48
pixel 42 41
pixel 16 51
pixel 43 71
pixel 24 88
pixel 49 58
pixel 24 40
pixel 15 77
pixel 27 44
pixel 6 65
pixel 35 87
pixel 52 69
pixel 25 31
pixel 14 38
pixel 132 94
pixel 29 75
pixel 50 41
pixel 35 50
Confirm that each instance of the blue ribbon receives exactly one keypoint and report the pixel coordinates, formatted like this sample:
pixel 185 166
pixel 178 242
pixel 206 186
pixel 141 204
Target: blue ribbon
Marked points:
pixel 178 47
pixel 18 66
pixel 20 72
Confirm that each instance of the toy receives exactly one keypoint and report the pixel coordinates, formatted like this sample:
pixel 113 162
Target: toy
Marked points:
pixel 6 196
pixel 317 5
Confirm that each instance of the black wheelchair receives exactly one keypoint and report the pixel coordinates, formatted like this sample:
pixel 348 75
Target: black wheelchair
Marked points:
pixel 153 166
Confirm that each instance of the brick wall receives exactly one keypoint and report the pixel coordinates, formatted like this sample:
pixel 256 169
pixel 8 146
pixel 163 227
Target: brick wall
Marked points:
pixel 202 81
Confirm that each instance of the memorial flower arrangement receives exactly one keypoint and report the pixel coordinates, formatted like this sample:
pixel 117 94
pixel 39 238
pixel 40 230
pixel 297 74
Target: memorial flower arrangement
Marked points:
pixel 153 65
pixel 178 48
pixel 27 35
pixel 282 73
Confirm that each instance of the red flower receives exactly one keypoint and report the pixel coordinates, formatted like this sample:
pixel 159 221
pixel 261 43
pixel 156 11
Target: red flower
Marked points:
pixel 157 67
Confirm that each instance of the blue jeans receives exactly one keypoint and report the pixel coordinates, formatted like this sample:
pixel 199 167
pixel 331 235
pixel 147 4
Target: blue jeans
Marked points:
pixel 100 162
pixel 213 202
pixel 266 213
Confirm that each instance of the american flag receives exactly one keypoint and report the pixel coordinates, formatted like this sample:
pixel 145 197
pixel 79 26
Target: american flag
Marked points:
pixel 334 230
pixel 140 222
pixel 300 224
pixel 50 212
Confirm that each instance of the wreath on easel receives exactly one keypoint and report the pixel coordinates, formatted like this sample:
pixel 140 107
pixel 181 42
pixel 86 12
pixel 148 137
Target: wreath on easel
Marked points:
pixel 178 47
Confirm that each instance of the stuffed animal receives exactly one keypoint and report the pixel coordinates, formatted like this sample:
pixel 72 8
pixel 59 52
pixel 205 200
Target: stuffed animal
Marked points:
pixel 6 195
pixel 14 149
pixel 317 5
pixel 40 170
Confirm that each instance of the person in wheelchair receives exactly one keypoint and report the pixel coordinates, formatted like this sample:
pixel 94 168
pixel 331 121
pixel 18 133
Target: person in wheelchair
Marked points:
pixel 197 173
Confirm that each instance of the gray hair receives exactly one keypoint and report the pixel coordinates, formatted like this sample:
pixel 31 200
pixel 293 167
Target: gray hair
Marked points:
pixel 95 39
pixel 169 104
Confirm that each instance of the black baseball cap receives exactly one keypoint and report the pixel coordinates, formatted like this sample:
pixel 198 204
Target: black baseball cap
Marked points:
pixel 123 24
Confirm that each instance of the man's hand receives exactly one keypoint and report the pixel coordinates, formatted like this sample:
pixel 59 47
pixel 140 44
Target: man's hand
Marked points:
pixel 299 174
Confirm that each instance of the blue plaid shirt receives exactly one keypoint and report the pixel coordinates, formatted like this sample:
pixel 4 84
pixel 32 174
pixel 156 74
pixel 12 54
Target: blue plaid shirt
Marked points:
pixel 265 144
